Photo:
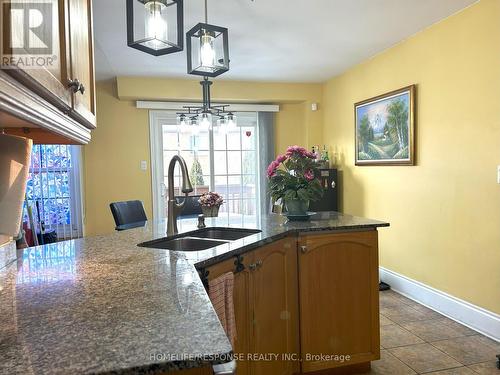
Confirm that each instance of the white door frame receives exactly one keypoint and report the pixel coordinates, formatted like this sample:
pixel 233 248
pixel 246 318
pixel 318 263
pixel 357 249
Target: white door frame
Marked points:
pixel 158 187
pixel 157 184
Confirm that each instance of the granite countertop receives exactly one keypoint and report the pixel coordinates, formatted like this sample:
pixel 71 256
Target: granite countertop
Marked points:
pixel 102 305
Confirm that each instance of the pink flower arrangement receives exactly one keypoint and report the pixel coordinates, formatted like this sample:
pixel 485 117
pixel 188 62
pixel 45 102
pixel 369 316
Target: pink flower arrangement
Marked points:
pixel 291 151
pixel 211 199
pixel 294 176
pixel 300 151
pixel 309 175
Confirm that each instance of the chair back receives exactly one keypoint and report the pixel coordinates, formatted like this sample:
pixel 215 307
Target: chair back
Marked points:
pixel 128 213
pixel 192 208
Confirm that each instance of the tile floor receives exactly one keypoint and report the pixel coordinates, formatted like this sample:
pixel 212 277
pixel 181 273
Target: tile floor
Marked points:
pixel 417 340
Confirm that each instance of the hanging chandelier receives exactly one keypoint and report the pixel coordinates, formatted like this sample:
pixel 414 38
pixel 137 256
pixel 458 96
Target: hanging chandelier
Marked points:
pixel 196 118
pixel 153 25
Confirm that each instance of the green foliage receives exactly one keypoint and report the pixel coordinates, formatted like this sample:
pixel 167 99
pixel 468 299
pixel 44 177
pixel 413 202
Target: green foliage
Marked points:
pixel 397 122
pixel 196 173
pixel 290 180
pixel 365 133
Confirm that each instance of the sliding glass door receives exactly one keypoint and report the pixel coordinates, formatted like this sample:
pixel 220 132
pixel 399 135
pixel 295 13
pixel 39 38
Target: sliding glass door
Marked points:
pixel 226 163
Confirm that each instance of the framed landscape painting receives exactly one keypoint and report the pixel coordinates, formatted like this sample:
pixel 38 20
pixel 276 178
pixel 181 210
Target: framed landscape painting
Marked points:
pixel 385 128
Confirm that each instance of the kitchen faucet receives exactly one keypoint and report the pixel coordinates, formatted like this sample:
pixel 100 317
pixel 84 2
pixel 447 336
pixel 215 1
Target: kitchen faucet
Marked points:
pixel 174 208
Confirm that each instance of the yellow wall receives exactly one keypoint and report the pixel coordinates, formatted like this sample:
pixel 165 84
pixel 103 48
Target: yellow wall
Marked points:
pixel 121 140
pixel 112 160
pixel 444 212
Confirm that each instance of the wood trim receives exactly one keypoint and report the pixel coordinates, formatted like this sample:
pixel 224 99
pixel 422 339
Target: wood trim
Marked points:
pixel 20 102
pixel 40 136
pixel 412 142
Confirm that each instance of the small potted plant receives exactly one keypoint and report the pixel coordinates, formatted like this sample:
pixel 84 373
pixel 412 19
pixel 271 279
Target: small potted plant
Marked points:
pixel 293 177
pixel 210 203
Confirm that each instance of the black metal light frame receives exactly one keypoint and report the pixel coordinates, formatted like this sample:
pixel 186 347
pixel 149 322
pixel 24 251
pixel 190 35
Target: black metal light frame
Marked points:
pixel 192 112
pixel 196 32
pixel 156 52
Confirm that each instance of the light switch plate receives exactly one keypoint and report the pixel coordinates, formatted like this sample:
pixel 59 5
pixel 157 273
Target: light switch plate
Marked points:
pixel 498 174
pixel 144 165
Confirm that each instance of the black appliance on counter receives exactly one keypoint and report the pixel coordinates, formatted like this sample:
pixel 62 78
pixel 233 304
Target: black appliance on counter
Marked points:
pixel 330 199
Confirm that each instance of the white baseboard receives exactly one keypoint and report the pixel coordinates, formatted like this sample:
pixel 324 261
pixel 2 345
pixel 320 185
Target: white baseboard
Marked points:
pixel 475 317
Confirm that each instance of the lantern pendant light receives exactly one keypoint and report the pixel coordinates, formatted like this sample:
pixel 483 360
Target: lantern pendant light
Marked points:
pixel 207 49
pixel 155 26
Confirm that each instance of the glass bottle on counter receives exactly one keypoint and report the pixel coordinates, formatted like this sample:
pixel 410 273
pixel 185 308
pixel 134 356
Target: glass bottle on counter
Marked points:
pixel 326 158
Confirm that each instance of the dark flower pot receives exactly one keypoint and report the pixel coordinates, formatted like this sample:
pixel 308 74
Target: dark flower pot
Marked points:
pixel 296 206
pixel 210 211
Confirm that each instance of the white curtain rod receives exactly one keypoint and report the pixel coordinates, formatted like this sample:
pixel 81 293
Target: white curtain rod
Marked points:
pixel 178 106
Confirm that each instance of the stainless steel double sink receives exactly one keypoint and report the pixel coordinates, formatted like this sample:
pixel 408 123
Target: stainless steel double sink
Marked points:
pixel 201 239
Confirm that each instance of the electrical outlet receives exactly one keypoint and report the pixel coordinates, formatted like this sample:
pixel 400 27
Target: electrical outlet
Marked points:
pixel 144 165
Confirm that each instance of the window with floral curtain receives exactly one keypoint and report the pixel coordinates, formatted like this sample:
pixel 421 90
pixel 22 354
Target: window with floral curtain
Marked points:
pixel 54 187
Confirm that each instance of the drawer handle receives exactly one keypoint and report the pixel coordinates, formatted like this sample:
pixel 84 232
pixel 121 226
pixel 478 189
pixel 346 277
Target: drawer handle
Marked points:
pixel 304 249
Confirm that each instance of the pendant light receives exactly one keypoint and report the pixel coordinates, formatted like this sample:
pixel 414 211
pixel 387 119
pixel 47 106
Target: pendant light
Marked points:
pixel 207 49
pixel 155 26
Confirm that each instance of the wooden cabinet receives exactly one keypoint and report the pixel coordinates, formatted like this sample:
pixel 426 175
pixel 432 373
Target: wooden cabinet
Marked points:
pixel 193 371
pixel 338 291
pixel 50 79
pixel 55 102
pixel 266 309
pixel 275 306
pixel 332 280
pixel 242 304
pixel 82 60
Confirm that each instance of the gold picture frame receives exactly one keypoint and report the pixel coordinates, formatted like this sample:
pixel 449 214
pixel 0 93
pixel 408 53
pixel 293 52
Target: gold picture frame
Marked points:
pixel 384 128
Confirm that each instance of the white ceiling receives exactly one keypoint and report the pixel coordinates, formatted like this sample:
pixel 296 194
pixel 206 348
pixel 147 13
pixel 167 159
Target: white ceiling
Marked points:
pixel 275 40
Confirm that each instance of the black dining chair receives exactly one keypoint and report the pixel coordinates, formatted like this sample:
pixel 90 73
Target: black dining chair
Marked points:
pixel 128 214
pixel 192 207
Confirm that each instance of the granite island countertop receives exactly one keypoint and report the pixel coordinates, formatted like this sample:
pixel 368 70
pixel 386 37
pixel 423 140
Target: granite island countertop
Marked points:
pixel 102 305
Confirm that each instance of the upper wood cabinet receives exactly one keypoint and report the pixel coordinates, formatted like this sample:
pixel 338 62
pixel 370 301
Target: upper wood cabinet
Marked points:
pixel 66 84
pixel 82 61
pixel 51 79
pixel 338 291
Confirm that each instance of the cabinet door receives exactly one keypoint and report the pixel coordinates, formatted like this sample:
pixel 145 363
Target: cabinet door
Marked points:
pixel 49 75
pixel 338 291
pixel 242 299
pixel 82 60
pixel 274 285
pixel 194 371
